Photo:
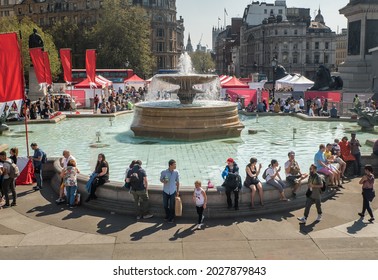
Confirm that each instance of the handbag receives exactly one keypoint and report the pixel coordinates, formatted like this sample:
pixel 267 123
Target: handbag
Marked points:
pixel 178 206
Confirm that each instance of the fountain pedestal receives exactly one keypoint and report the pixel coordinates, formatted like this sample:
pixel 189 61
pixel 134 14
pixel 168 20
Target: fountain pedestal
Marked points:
pixel 187 123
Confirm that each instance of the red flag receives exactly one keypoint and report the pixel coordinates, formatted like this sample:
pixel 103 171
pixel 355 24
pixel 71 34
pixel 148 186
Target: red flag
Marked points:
pixel 36 55
pixel 65 57
pixel 90 66
pixel 47 68
pixel 11 77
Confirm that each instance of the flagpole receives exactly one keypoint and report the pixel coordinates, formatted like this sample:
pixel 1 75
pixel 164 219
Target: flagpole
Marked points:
pixel 224 18
pixel 24 99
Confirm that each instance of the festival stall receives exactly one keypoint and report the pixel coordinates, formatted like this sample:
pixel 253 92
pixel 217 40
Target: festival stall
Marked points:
pixel 247 94
pixel 331 96
pixel 134 81
pixel 90 92
pixel 232 83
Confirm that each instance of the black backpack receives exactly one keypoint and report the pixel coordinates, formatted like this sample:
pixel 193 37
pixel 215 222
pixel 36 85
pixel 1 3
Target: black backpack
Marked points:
pixel 135 178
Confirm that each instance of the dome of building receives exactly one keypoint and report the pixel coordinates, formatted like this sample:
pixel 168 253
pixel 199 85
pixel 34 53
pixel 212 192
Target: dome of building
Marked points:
pixel 319 17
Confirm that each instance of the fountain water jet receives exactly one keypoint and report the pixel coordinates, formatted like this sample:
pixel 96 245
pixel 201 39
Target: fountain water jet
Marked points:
pixel 186 119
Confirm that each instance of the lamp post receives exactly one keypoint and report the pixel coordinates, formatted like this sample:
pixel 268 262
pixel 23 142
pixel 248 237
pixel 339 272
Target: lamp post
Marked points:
pixel 274 69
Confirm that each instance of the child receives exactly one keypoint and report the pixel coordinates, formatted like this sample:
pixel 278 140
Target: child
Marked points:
pixel 200 198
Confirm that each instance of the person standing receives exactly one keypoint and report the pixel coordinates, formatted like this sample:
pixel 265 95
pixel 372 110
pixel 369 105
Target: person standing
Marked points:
pixel 171 185
pixel 231 174
pixel 99 176
pixel 368 194
pixel 313 194
pixel 136 178
pixel 355 151
pixel 37 159
pixel 13 154
pixel 200 199
pixel 7 182
pixel 64 163
pixel 69 176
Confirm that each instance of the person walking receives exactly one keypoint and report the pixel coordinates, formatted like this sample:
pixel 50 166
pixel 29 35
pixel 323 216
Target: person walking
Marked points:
pixel 171 185
pixel 313 194
pixel 200 199
pixel 136 179
pixel 368 193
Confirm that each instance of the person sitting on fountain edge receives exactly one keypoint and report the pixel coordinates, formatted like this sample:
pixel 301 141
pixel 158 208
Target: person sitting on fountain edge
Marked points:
pixel 333 112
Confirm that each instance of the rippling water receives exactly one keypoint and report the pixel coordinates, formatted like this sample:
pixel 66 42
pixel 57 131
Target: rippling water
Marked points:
pixel 196 160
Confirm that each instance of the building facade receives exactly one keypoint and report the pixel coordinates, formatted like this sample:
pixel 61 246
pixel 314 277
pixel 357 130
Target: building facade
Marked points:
pixel 167 36
pixel 341 47
pixel 6 7
pixel 299 44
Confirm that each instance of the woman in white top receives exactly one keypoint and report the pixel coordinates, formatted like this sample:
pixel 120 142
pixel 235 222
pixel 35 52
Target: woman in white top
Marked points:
pixel 273 178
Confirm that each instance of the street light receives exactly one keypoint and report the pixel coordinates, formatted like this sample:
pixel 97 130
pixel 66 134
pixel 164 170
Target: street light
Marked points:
pixel 274 69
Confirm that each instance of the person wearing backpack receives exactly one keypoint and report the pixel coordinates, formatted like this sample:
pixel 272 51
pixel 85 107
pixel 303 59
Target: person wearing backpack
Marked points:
pixel 37 159
pixel 137 180
pixel 9 174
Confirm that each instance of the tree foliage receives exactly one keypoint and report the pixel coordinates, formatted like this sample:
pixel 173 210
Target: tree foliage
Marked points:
pixel 25 27
pixel 122 38
pixel 202 62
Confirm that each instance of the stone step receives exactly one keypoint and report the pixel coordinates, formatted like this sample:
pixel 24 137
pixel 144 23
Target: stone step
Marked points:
pixel 218 211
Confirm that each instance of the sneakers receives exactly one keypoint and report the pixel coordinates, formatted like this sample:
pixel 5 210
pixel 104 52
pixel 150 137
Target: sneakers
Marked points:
pixel 37 188
pixel 371 220
pixel 361 215
pixel 319 218
pixel 13 204
pixel 60 200
pixel 148 216
pixel 302 220
pixel 199 226
pixel 138 217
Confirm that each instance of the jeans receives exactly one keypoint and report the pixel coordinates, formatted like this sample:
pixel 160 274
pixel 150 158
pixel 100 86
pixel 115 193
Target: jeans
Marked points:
pixel 366 203
pixel 9 184
pixel 236 198
pixel 169 205
pixel 38 176
pixel 309 202
pixel 278 184
pixel 71 194
pixel 357 164
pixel 142 203
pixel 96 182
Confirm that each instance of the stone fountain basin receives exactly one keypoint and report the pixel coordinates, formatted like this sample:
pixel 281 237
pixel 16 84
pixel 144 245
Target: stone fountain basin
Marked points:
pixel 198 121
pixel 193 79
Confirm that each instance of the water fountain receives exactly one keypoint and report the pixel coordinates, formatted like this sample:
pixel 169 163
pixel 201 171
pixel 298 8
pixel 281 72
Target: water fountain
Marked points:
pixel 186 118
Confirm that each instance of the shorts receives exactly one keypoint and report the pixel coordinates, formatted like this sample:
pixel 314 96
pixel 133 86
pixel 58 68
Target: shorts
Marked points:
pixel 325 171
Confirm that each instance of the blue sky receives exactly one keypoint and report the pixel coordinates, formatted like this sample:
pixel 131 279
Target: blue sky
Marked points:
pixel 201 15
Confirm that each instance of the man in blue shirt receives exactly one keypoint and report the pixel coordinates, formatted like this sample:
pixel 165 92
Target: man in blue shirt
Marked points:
pixel 37 163
pixel 322 165
pixel 171 184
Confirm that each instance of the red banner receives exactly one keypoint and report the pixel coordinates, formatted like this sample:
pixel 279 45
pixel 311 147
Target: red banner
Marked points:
pixel 11 77
pixel 90 65
pixel 36 55
pixel 47 68
pixel 65 57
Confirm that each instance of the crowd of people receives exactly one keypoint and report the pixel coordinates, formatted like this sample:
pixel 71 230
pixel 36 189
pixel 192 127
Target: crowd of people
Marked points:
pixel 328 169
pixel 312 107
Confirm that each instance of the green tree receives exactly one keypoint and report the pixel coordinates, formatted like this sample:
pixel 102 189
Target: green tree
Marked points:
pixel 122 38
pixel 67 34
pixel 25 27
pixel 202 62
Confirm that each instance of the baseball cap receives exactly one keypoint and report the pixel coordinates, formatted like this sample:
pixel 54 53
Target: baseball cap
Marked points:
pixel 230 160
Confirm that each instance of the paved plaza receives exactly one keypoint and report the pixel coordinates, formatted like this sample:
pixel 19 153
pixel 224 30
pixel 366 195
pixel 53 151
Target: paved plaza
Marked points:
pixel 37 228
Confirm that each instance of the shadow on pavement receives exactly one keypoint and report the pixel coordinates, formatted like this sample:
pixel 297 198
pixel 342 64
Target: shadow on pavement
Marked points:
pixel 356 226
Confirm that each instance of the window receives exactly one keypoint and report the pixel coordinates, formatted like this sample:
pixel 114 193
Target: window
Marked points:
pixel 308 59
pixel 295 58
pixel 307 45
pixel 285 57
pixel 265 11
pixel 276 32
pixel 316 45
pixel 160 32
pixel 280 12
pixel 295 32
pixel 159 46
pixel 285 31
pixel 326 58
pixel 316 58
pixel 326 45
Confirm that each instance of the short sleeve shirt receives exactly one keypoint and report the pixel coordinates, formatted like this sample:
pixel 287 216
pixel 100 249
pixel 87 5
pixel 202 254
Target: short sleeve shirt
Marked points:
pixel 99 169
pixel 319 156
pixel 37 153
pixel 173 177
pixel 141 174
